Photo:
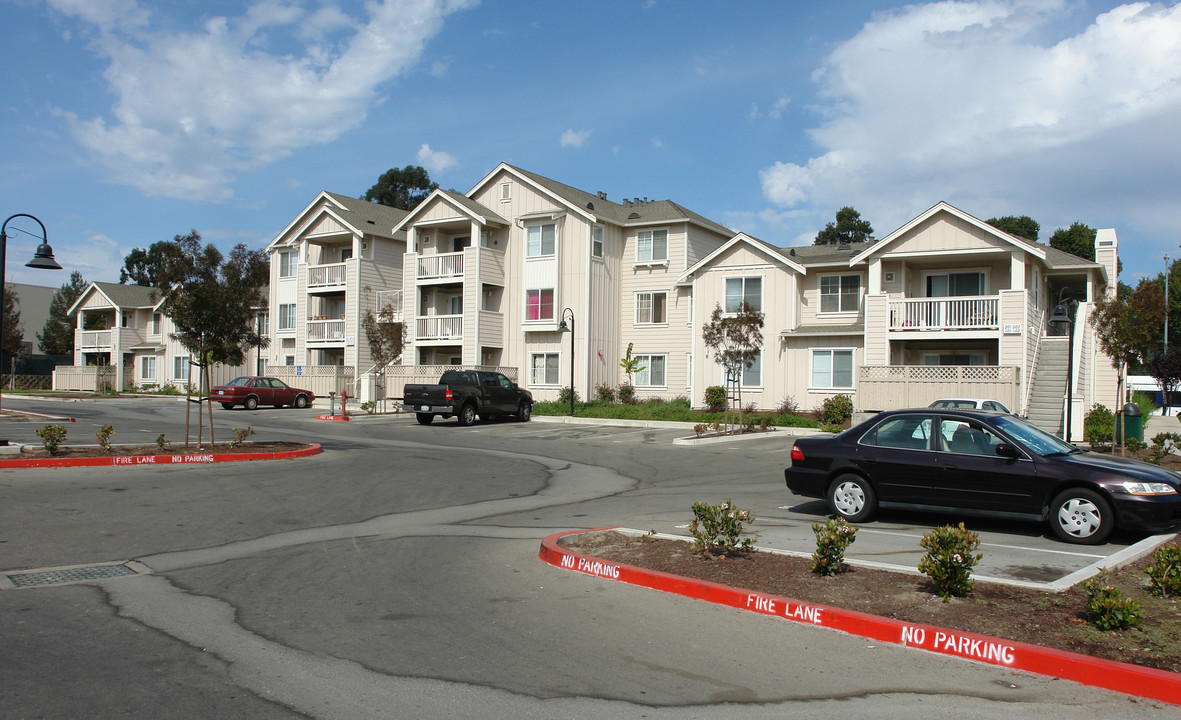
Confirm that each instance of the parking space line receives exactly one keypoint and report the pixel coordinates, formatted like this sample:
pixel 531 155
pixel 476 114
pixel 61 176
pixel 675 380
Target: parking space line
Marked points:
pixel 997 545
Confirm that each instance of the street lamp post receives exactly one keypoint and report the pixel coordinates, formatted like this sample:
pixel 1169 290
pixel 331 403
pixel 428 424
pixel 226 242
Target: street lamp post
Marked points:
pixel 42 258
pixel 563 327
pixel 1166 347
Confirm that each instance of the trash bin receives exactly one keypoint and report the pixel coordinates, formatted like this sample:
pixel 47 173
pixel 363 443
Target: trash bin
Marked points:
pixel 1129 421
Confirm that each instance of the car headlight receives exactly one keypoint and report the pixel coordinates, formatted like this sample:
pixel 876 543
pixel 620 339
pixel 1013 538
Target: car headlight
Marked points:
pixel 1149 488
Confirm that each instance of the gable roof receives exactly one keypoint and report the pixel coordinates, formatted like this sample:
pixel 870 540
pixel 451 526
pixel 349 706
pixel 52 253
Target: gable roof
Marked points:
pixel 120 296
pixel 832 254
pixel 776 254
pixel 594 208
pixel 464 204
pixel 360 216
pixel 1033 248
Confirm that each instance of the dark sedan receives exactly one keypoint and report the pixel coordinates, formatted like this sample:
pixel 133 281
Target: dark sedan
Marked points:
pixel 983 463
pixel 252 391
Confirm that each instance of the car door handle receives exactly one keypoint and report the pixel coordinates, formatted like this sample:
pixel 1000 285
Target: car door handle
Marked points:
pixel 951 468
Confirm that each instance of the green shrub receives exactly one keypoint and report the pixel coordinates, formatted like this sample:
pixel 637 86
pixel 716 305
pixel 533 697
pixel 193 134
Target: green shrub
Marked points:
pixel 1134 444
pixel 564 396
pixel 836 410
pixel 1162 446
pixel 104 437
pixel 950 559
pixel 1164 573
pixel 369 406
pixel 833 537
pixel 605 393
pixel 240 436
pixel 787 406
pixel 1098 428
pixel 52 437
pixel 716 528
pixel 161 442
pixel 627 394
pixel 1107 607
pixel 1145 402
pixel 715 398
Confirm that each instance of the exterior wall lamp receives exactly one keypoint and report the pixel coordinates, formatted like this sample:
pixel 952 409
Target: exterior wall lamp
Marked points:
pixel 567 313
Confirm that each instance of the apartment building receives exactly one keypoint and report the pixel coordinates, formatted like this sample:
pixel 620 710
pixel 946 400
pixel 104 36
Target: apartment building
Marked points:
pixel 944 305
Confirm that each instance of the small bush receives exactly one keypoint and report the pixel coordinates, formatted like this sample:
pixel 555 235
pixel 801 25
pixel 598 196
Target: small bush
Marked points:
pixel 162 442
pixel 52 437
pixel 836 410
pixel 1107 607
pixel 715 398
pixel 716 528
pixel 1164 573
pixel 1134 444
pixel 833 537
pixel 369 406
pixel 240 436
pixel 605 393
pixel 950 559
pixel 627 394
pixel 700 428
pixel 787 406
pixel 1163 445
pixel 104 437
pixel 168 389
pixel 564 396
pixel 1145 402
pixel 1098 428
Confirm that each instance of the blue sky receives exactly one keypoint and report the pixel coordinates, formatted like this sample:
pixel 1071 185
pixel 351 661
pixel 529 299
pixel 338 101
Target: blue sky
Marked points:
pixel 126 122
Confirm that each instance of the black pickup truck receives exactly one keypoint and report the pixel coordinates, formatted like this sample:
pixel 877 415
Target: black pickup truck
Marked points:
pixel 468 394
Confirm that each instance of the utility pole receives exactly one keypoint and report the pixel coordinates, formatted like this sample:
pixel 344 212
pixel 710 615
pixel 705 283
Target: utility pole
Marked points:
pixel 1166 348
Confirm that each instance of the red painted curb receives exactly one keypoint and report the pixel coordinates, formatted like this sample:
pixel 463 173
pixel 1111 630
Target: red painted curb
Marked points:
pixel 338 418
pixel 1121 677
pixel 121 460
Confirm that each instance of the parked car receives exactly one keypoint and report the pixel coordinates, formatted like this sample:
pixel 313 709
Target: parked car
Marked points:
pixel 251 391
pixel 970 404
pixel 975 462
pixel 468 394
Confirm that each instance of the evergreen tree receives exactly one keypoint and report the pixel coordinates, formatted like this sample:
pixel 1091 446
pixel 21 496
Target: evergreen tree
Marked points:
pixel 57 335
pixel 849 227
pixel 13 332
pixel 1078 239
pixel 1023 226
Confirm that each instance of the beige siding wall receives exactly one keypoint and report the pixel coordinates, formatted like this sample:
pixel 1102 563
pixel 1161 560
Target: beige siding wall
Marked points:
pixel 810 301
pixel 944 233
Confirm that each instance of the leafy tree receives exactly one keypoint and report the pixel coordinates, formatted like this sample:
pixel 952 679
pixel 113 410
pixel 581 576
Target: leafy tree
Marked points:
pixel 57 335
pixel 212 300
pixel 404 188
pixel 386 339
pixel 1078 239
pixel 849 227
pixel 736 340
pixel 630 363
pixel 14 334
pixel 1129 327
pixel 1023 226
pixel 150 267
pixel 1165 368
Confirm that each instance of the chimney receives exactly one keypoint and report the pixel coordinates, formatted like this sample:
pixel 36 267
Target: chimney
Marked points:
pixel 602 195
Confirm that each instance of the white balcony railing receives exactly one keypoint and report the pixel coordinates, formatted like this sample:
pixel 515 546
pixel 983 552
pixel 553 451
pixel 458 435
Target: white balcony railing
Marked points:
pixel 326 275
pixel 93 339
pixel 442 265
pixel 439 327
pixel 946 313
pixel 389 305
pixel 325 330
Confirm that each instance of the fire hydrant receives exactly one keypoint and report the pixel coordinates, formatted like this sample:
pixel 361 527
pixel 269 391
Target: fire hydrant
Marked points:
pixel 344 397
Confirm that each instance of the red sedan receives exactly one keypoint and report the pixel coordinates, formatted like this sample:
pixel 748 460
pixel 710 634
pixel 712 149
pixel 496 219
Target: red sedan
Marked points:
pixel 252 391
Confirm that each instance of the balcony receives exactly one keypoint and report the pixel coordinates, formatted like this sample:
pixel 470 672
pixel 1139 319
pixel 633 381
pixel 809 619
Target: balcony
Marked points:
pixel 327 276
pixel 439 327
pixel 946 313
pixel 441 266
pixel 389 306
pixel 325 331
pixel 93 340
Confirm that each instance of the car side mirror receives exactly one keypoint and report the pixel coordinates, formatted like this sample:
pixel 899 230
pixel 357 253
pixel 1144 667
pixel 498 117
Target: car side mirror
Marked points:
pixel 1006 450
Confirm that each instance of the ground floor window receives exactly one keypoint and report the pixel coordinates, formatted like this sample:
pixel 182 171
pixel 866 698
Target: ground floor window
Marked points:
pixel 753 376
pixel 147 368
pixel 832 369
pixel 544 369
pixel 180 367
pixel 652 374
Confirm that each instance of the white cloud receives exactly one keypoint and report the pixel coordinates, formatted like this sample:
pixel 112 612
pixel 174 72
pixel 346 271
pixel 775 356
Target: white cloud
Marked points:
pixel 194 108
pixel 435 161
pixel 967 101
pixel 439 68
pixel 575 138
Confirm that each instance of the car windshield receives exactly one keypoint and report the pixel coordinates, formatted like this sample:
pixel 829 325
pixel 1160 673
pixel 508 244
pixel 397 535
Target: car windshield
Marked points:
pixel 240 381
pixel 1036 440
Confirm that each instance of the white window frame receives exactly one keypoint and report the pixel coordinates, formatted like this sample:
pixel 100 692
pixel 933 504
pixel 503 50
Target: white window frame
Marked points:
pixel 644 377
pixel 157 321
pixel 545 358
pixel 831 352
pixel 758 367
pixel 597 242
pixel 147 368
pixel 506 192
pixel 288 263
pixel 263 323
pixel 986 281
pixel 552 307
pixel 646 247
pixel 646 303
pixel 840 295
pixel 286 316
pixel 180 367
pixel 744 279
pixel 541 250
